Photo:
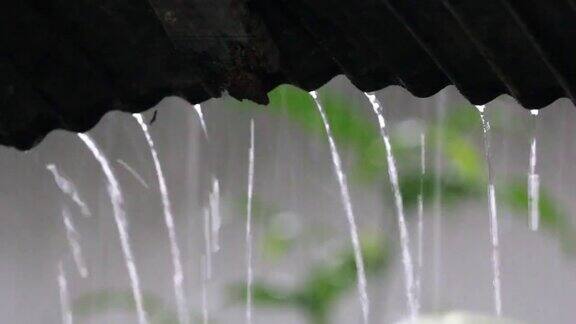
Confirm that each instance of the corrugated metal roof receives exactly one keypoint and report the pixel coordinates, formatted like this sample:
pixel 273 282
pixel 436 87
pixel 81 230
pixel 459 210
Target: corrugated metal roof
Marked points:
pixel 63 64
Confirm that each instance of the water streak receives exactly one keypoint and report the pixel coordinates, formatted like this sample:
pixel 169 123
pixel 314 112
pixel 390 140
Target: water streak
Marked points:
pixel 65 308
pixel 68 188
pixel 178 275
pixel 117 200
pixel 344 192
pixel 533 180
pixel 74 242
pixel 205 309
pixel 133 172
pixel 492 213
pixel 420 228
pixel 198 110
pixel 249 265
pixel 216 219
pixel 207 243
pixel 437 199
pixel 413 306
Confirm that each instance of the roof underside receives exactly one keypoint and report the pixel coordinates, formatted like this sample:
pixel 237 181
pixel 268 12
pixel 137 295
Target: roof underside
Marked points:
pixel 64 63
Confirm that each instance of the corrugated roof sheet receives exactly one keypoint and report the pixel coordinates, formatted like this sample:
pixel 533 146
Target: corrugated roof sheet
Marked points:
pixel 63 64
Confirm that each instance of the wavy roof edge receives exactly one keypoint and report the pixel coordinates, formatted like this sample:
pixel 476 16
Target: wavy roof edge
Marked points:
pixel 64 64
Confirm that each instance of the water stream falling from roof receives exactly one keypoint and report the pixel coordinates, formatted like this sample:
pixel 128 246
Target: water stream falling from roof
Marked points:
pixel 65 309
pixel 420 227
pixel 250 193
pixel 205 308
pixel 533 179
pixel 407 262
pixel 198 110
pixel 437 218
pixel 345 194
pixel 69 189
pixel 207 243
pixel 117 199
pixel 73 238
pixel 215 218
pixel 493 213
pixel 178 275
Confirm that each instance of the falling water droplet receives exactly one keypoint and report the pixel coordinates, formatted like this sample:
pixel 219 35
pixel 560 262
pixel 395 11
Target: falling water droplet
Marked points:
pixel 249 265
pixel 133 172
pixel 533 180
pixel 413 306
pixel 74 242
pixel 65 308
pixel 178 276
pixel 69 189
pixel 216 219
pixel 344 192
pixel 117 200
pixel 198 110
pixel 492 213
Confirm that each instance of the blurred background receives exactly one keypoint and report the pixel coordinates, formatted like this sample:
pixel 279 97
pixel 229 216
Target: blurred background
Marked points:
pixel 303 264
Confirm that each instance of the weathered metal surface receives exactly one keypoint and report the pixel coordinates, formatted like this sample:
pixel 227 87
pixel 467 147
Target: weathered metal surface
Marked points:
pixel 64 63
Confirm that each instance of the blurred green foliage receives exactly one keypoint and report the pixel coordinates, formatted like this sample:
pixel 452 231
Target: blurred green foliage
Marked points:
pixel 463 178
pixel 324 284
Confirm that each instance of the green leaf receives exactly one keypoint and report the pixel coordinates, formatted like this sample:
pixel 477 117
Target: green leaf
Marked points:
pixel 324 285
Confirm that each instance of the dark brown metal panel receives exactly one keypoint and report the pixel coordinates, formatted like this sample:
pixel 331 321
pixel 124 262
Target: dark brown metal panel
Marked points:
pixel 551 29
pixel 450 47
pixel 383 34
pixel 495 32
pixel 54 68
pixel 19 103
pixel 298 51
pixel 66 63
